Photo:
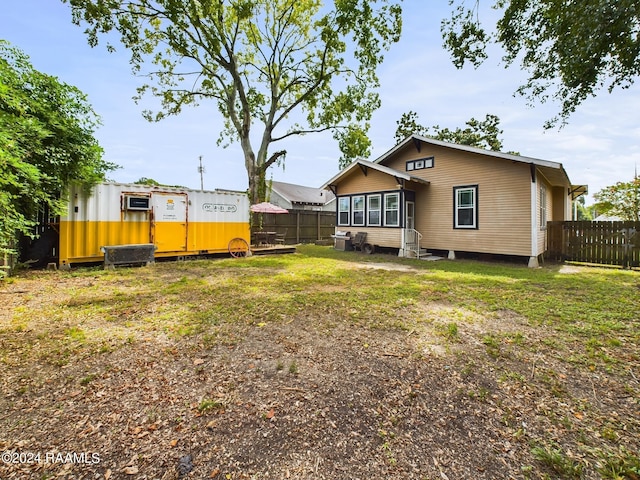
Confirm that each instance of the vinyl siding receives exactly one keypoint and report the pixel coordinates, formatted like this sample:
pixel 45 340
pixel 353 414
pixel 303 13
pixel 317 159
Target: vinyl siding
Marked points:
pixel 561 204
pixel 504 200
pixel 386 237
pixel 374 181
pixel 541 244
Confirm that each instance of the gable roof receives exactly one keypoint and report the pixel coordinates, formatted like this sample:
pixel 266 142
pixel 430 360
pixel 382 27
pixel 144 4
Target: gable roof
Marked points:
pixel 466 148
pixel 365 164
pixel 300 194
pixel 554 172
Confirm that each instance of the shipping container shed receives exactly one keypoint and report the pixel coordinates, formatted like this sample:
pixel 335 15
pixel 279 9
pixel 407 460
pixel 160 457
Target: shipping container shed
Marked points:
pixel 178 221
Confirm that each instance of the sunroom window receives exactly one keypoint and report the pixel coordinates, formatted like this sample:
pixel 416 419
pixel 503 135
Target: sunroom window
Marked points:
pixel 343 210
pixel 373 210
pixel 392 210
pixel 358 210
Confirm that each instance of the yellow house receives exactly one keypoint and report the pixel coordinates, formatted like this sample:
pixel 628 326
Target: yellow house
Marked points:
pixel 428 194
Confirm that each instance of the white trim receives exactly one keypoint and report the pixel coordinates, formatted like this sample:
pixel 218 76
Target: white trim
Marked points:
pixel 353 210
pixel 542 221
pixel 534 218
pixel 384 209
pixel 467 148
pixel 348 211
pixel 380 168
pixel 379 209
pixel 457 207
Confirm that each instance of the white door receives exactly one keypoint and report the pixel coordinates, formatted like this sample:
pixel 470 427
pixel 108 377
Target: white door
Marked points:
pixel 410 215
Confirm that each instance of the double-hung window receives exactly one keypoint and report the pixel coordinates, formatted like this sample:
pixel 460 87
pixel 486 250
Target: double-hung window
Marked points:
pixel 358 209
pixel 344 210
pixel 543 206
pixel 465 209
pixel 373 210
pixel 392 210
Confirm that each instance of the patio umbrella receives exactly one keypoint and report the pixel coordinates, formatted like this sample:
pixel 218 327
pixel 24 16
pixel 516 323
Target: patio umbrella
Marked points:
pixel 266 207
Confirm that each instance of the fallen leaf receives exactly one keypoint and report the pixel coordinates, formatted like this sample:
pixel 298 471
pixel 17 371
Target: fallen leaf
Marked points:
pixel 214 473
pixel 270 414
pixel 261 324
pixel 198 361
pixel 107 474
pixel 173 443
pixel 131 470
pixel 578 415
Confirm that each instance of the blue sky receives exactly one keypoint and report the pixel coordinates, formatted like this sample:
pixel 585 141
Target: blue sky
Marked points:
pixel 600 146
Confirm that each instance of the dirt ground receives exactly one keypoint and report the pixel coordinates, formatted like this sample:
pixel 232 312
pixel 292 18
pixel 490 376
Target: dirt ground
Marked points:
pixel 294 400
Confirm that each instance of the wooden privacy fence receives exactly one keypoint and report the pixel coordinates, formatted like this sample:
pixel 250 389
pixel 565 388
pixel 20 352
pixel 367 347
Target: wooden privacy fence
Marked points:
pixel 299 226
pixel 607 243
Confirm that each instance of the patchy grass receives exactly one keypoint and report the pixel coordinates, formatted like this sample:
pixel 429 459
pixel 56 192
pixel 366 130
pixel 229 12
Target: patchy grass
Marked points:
pixel 555 355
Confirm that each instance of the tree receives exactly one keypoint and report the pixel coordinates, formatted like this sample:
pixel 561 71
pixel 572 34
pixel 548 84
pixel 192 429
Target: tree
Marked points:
pixel 583 213
pixel 295 66
pixel 481 134
pixel 408 125
pixel 46 142
pixel 570 49
pixel 620 200
pixel 147 181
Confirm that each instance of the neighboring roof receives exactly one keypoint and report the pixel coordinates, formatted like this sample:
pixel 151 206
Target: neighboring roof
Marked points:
pixel 365 164
pixel 301 194
pixel 553 171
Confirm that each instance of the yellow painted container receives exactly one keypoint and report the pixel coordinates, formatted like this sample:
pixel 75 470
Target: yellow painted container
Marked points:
pixel 179 222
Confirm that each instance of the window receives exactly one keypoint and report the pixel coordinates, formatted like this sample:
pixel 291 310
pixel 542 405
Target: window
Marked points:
pixel 392 210
pixel 373 210
pixel 465 207
pixel 358 210
pixel 543 206
pixel 420 164
pixel 343 210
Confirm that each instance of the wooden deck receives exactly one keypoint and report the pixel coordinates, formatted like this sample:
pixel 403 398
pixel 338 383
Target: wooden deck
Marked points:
pixel 272 249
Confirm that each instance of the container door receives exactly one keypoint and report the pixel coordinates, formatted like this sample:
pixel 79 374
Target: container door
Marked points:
pixel 169 224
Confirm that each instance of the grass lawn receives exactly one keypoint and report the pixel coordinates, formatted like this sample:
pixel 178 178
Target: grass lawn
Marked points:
pixel 322 364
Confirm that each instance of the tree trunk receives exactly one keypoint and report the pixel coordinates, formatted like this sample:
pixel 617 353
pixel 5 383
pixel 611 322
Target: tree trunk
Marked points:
pixel 257 185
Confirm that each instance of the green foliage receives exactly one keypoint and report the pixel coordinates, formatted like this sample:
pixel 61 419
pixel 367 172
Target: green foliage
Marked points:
pixel 584 213
pixel 46 142
pixel 260 61
pixel 569 49
pixel 555 459
pixel 481 134
pixel 620 465
pixel 408 125
pixel 147 181
pixel 620 200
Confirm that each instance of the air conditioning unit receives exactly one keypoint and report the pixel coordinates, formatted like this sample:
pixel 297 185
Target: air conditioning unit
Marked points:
pixel 137 202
